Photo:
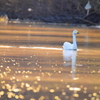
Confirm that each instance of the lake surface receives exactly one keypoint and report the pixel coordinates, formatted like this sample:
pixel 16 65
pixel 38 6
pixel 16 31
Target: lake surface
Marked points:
pixel 33 65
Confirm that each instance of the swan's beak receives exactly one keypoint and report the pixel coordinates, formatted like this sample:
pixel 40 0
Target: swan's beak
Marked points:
pixel 77 32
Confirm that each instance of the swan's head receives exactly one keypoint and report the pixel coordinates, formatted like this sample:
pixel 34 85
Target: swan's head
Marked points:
pixel 75 32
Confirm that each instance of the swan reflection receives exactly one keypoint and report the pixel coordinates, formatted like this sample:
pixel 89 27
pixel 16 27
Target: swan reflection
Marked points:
pixel 69 57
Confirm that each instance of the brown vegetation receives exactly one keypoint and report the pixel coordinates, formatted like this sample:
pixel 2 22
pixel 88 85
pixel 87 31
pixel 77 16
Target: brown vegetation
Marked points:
pixel 48 10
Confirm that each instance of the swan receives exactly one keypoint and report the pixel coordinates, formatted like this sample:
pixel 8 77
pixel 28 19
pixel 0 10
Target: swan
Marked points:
pixel 68 45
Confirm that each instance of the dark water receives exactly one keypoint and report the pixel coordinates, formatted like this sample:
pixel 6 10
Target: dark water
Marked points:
pixel 33 65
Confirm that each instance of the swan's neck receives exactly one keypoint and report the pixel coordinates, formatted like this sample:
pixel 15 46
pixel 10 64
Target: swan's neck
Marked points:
pixel 74 42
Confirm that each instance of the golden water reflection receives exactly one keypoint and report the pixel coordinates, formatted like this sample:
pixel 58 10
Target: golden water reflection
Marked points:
pixel 33 65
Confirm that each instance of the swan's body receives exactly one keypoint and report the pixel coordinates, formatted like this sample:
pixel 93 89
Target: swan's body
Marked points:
pixel 68 45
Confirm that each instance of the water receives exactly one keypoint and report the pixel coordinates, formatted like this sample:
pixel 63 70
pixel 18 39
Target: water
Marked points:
pixel 33 65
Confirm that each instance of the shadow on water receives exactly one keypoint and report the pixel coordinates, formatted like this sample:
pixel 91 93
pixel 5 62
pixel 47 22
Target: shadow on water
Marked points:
pixel 31 68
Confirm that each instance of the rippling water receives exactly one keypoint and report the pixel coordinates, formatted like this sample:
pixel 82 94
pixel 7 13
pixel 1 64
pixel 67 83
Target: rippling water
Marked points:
pixel 33 65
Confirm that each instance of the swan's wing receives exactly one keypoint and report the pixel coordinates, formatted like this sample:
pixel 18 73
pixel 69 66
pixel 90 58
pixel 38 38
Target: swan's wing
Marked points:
pixel 67 46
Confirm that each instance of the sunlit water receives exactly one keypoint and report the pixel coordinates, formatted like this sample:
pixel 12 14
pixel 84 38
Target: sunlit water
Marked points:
pixel 33 65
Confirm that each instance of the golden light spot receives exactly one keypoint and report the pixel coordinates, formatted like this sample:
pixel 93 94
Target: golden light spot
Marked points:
pixel 16 90
pixel 5 73
pixel 85 88
pixel 29 88
pixel 2 81
pixel 27 85
pixel 76 78
pixel 19 71
pixel 63 93
pixel 49 74
pixel 74 89
pixel 93 98
pixel 1 92
pixel 70 71
pixel 95 87
pixel 21 96
pixel 57 98
pixel 42 98
pixel 94 94
pixel 32 99
pixel 90 95
pixel 8 86
pixel 26 76
pixel 61 80
pixel 99 71
pixel 30 56
pixel 52 90
pixel 13 77
pixel 59 71
pixel 85 91
pixel 35 82
pixel 98 98
pixel 57 88
pixel 38 78
pixel 1 76
pixel 16 96
pixel 46 88
pixel 76 95
pixel 10 94
pixel 3 87
pixel 85 99
pixel 17 80
pixel 68 86
pixel 1 66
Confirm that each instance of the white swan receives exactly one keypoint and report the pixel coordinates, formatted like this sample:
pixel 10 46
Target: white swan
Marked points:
pixel 68 45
